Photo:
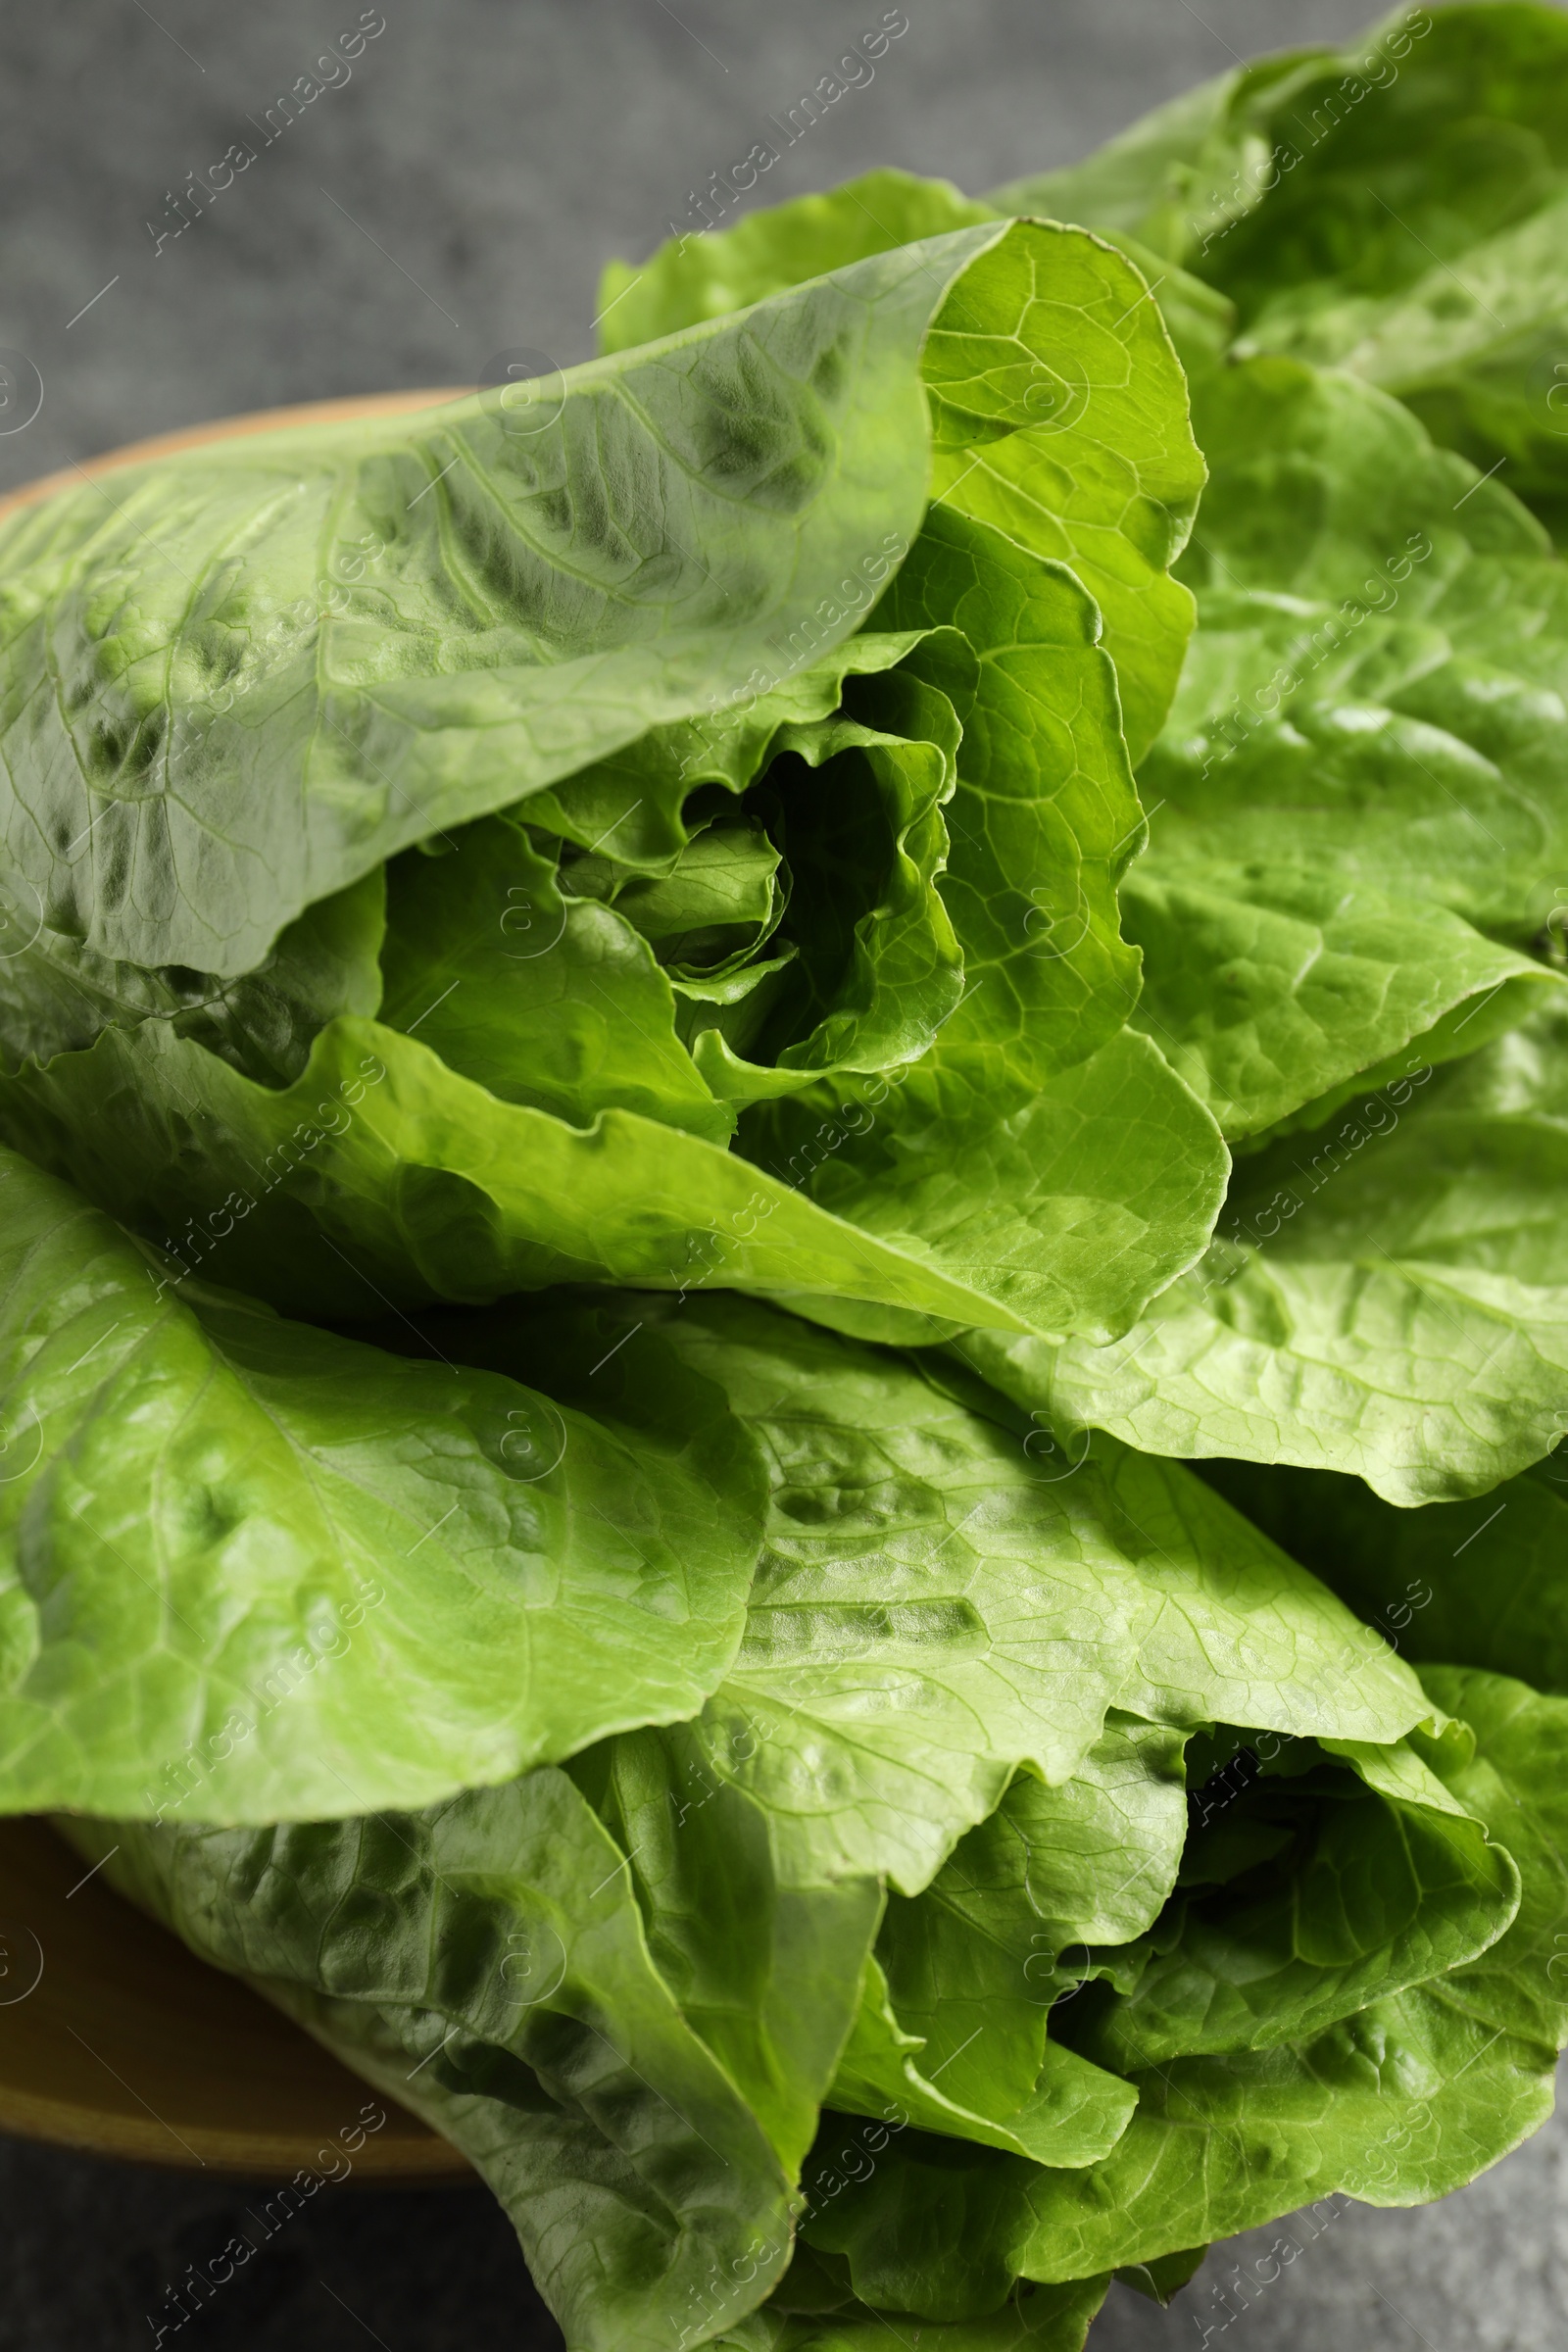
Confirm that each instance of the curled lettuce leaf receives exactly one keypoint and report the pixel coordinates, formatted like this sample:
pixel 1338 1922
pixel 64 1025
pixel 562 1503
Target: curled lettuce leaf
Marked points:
pixel 1021 2092
pixel 1404 2101
pixel 262 669
pixel 381 1176
pixel 1085 349
pixel 1300 1908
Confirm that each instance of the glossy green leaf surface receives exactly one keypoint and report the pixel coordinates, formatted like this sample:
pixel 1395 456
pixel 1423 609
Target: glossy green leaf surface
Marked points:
pixel 254 1571
pixel 808 858
pixel 1388 1296
pixel 1402 2101
pixel 880 1677
pixel 1104 477
pixel 381 1176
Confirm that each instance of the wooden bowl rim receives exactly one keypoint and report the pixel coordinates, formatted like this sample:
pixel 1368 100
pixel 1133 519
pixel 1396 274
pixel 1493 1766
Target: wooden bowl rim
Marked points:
pixel 111 1999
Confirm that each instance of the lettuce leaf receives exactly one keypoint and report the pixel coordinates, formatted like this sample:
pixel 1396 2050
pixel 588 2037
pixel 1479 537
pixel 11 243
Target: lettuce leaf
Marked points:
pixel 266 667
pixel 1361 777
pixel 250 1570
pixel 704 1910
pixel 1387 1296
pixel 1482 1581
pixel 1280 995
pixel 1028 2095
pixel 966 1972
pixel 1394 207
pixel 848 1830
pixel 485 1964
pixel 1414 231
pixel 381 1176
pixel 1348 852
pixel 1010 1609
pixel 253 1570
pixel 1375 688
pixel 1375 1890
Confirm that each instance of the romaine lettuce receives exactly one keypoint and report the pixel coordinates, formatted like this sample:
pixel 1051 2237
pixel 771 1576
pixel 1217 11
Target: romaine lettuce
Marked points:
pixel 619 1225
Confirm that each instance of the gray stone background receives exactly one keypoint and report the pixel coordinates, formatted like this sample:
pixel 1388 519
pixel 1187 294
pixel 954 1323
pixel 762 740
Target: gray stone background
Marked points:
pixel 455 197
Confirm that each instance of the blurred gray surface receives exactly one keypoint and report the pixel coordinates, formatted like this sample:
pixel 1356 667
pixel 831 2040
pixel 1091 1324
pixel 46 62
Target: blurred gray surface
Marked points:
pixel 458 193
pixel 456 196
pixel 92 2248
pixel 1486 2271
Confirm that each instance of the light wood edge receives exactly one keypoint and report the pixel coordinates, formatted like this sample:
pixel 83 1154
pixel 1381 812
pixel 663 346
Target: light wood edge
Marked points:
pixel 225 428
pixel 425 2160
